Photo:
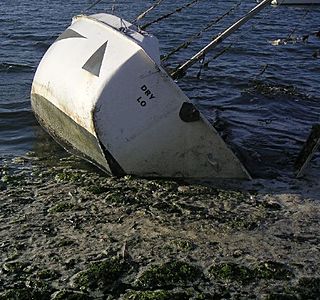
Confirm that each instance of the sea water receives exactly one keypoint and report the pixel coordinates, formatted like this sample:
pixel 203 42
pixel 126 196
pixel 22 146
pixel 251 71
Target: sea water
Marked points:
pixel 262 98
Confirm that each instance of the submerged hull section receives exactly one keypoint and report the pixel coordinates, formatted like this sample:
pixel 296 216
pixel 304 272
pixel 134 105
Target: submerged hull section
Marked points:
pixel 101 91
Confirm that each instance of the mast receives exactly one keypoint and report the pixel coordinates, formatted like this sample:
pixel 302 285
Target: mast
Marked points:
pixel 180 71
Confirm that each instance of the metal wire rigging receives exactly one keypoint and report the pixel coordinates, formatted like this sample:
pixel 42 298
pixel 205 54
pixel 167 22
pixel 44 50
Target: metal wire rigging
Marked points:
pixel 188 42
pixel 144 13
pixel 92 5
pixel 177 10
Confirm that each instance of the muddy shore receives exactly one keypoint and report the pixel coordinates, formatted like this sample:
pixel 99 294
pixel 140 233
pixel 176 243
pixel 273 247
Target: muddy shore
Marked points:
pixel 70 232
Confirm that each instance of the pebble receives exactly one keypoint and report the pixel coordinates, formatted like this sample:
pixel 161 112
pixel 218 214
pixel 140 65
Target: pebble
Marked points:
pixel 183 189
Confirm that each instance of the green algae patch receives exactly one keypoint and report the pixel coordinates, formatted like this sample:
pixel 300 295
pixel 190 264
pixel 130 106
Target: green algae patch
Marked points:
pixel 192 293
pixel 116 198
pixel 100 275
pixel 65 242
pixel 281 296
pixel 12 179
pixel 98 189
pixel 308 287
pixel 70 295
pixel 14 267
pixel 249 222
pixel 69 176
pixel 273 270
pixel 305 288
pixel 62 207
pixel 151 219
pixel 156 295
pixel 174 273
pixel 234 196
pixel 184 245
pixel 231 272
pixel 47 274
pixel 25 294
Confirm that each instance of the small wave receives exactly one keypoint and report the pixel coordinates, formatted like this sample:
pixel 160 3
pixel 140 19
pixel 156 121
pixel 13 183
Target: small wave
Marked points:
pixel 12 68
pixel 26 36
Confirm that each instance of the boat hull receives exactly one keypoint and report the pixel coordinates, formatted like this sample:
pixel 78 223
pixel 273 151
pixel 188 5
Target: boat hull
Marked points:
pixel 100 90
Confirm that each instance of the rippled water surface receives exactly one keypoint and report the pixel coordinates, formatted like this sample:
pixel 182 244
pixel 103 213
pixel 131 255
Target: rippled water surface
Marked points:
pixel 262 98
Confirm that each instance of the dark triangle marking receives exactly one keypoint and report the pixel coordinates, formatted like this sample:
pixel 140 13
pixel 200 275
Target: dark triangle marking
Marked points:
pixel 68 34
pixel 93 64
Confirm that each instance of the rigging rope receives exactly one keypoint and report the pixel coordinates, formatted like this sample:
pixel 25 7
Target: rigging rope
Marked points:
pixel 291 38
pixel 187 43
pixel 180 71
pixel 205 63
pixel 295 27
pixel 92 5
pixel 143 14
pixel 228 47
pixel 177 10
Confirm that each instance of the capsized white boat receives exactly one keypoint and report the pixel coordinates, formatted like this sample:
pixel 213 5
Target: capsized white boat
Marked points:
pixel 101 91
pixel 295 2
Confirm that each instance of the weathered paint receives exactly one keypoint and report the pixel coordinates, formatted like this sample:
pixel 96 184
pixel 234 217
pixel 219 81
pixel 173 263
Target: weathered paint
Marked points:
pixel 67 132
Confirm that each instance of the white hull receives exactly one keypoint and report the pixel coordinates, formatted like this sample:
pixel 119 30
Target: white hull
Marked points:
pixel 100 89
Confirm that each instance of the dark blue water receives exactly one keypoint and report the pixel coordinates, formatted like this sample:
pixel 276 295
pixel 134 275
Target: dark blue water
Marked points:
pixel 264 117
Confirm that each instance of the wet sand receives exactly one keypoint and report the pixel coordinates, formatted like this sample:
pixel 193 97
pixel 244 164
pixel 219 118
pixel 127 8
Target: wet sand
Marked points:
pixel 70 232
